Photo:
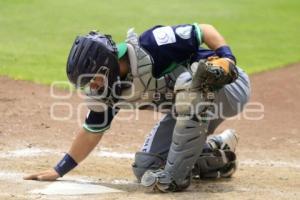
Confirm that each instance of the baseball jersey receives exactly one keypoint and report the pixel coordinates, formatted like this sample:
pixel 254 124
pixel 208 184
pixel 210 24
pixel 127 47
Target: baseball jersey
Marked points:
pixel 169 46
pixel 173 45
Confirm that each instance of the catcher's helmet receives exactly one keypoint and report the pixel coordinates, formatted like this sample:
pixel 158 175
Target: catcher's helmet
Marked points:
pixel 93 54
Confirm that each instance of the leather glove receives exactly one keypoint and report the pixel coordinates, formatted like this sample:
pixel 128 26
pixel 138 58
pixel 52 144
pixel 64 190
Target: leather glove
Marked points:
pixel 220 71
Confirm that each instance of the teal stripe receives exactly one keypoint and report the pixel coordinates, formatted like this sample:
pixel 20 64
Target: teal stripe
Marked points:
pixel 98 131
pixel 199 33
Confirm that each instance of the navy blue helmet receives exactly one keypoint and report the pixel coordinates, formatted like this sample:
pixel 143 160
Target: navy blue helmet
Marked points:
pixel 90 55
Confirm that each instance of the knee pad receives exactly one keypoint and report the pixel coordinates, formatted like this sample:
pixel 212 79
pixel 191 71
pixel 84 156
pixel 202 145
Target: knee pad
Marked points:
pixel 144 161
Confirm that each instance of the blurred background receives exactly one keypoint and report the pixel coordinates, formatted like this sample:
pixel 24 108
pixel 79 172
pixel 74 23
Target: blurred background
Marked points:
pixel 36 35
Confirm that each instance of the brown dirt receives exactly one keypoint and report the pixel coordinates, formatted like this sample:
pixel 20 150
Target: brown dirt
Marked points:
pixel 269 149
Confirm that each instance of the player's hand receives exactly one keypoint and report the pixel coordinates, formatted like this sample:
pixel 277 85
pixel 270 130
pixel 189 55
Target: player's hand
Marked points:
pixel 49 175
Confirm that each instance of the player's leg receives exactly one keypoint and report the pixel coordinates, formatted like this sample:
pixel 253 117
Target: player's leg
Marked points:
pixel 156 147
pixel 154 151
pixel 188 137
pixel 189 134
pixel 220 159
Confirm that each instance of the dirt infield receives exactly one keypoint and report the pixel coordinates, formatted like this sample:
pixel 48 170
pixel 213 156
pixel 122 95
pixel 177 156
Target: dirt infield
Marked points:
pixel 268 151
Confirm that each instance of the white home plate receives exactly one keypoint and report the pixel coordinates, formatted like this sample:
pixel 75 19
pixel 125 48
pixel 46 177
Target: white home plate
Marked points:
pixel 69 188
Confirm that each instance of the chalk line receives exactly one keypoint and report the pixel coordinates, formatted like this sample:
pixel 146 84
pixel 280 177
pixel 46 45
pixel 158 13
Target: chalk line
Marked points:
pixel 270 163
pixel 27 152
pixel 111 154
pixel 35 152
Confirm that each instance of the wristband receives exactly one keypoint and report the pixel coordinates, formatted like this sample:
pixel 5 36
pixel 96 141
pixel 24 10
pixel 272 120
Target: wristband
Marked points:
pixel 225 52
pixel 65 165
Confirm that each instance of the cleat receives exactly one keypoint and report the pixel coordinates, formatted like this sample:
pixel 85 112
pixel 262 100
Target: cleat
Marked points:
pixel 157 180
pixel 149 179
pixel 161 181
pixel 225 141
pixel 221 160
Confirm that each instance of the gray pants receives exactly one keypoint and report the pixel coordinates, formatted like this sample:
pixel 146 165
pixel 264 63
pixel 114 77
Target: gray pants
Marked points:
pixel 229 101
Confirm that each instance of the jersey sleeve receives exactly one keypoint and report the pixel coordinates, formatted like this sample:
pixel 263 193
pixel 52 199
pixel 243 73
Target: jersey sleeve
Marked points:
pixel 98 122
pixel 170 45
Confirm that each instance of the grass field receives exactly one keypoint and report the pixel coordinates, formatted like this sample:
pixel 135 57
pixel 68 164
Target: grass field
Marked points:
pixel 35 35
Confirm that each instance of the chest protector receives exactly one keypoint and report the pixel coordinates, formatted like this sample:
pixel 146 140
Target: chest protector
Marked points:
pixel 145 90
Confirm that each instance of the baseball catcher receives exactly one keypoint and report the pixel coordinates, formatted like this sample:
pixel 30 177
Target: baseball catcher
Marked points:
pixel 165 68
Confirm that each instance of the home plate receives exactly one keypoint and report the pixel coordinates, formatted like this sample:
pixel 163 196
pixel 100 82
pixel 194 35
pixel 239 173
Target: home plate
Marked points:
pixel 71 188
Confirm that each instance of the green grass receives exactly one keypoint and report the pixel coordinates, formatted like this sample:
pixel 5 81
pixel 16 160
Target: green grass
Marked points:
pixel 35 35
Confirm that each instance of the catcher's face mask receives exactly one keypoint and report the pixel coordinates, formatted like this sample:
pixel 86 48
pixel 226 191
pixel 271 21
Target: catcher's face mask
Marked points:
pixel 99 87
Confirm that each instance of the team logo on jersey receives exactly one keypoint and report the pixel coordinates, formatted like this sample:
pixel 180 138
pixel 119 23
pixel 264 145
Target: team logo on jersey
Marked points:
pixel 164 35
pixel 184 32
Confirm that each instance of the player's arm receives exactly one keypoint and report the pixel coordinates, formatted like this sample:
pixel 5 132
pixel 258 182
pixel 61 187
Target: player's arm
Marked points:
pixel 215 41
pixel 86 140
pixel 211 37
pixel 224 62
pixel 83 144
pixel 81 147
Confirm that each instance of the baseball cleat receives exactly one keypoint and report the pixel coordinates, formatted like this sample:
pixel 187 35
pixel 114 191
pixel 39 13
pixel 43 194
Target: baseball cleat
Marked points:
pixel 160 180
pixel 157 180
pixel 221 160
pixel 225 141
pixel 149 179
